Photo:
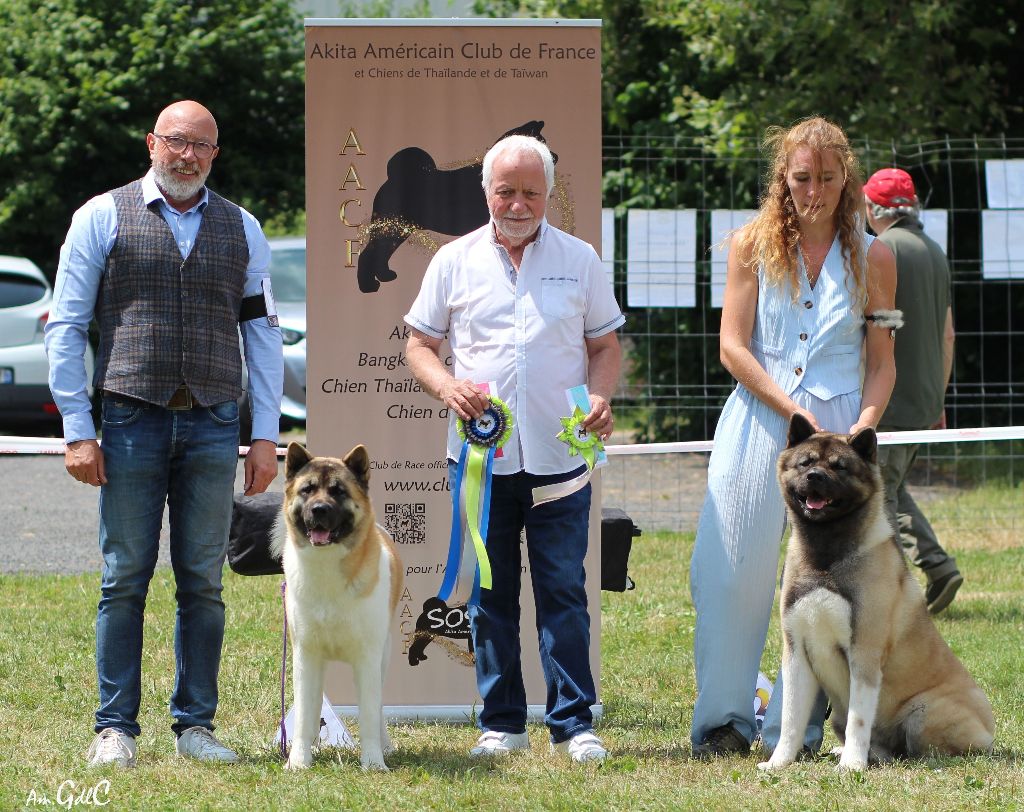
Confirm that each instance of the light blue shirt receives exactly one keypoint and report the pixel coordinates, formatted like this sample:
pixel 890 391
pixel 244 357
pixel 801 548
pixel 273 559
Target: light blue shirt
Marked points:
pixel 83 258
pixel 814 342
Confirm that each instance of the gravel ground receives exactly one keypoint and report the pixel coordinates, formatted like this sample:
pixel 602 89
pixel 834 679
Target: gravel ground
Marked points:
pixel 50 522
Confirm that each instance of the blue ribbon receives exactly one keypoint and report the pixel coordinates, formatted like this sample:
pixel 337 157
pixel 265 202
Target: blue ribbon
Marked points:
pixel 451 569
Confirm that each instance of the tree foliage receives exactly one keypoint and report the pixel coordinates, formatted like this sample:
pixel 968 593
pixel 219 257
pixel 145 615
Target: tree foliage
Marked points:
pixel 82 82
pixel 914 70
pixel 691 85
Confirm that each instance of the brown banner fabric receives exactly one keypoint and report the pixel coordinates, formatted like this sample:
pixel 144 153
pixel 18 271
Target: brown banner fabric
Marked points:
pixel 398 117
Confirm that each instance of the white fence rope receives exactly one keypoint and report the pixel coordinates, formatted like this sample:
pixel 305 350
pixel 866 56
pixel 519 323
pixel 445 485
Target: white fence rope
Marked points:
pixel 55 445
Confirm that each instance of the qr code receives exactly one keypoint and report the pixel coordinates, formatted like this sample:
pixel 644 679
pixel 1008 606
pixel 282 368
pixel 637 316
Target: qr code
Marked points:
pixel 407 523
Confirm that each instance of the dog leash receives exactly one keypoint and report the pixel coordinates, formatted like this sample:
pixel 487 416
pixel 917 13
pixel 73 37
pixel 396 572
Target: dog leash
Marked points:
pixel 284 663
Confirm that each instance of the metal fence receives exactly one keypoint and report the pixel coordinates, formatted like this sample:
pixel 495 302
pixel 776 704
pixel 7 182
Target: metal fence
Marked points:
pixel 674 385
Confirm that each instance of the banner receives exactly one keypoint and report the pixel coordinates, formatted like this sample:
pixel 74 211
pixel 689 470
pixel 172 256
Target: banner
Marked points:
pixel 399 114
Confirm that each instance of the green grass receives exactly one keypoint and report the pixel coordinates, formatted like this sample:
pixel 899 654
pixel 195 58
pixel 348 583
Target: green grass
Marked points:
pixel 48 693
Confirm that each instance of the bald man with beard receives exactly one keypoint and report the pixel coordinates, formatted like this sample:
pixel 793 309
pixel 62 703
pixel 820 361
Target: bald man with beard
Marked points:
pixel 170 270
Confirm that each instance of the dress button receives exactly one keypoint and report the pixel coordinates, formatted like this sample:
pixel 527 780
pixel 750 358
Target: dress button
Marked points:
pixel 803 336
pixel 799 371
pixel 808 304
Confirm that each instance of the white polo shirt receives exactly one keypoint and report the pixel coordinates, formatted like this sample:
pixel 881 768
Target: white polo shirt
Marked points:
pixel 526 335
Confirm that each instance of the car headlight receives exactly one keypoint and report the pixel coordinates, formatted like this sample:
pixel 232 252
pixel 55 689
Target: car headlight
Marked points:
pixel 290 337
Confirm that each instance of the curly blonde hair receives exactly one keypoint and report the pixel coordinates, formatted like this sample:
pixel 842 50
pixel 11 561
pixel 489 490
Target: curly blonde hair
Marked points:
pixel 774 234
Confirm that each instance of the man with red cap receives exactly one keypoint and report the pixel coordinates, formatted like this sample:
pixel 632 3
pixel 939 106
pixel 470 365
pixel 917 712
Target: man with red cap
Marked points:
pixel 924 361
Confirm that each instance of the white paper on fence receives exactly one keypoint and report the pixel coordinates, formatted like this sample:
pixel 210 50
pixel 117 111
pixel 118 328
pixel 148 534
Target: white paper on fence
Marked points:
pixel 936 225
pixel 333 732
pixel 608 243
pixel 723 221
pixel 1004 183
pixel 1002 244
pixel 661 258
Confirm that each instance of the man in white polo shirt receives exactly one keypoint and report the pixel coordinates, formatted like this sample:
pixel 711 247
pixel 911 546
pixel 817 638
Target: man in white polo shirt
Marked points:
pixel 528 307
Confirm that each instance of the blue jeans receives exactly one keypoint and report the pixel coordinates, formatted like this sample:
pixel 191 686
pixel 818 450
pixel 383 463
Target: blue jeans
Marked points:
pixel 556 544
pixel 186 458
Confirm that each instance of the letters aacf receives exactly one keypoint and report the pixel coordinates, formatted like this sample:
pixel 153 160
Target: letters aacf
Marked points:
pixel 351 177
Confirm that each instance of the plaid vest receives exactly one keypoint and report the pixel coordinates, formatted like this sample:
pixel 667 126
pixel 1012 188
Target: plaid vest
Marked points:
pixel 165 321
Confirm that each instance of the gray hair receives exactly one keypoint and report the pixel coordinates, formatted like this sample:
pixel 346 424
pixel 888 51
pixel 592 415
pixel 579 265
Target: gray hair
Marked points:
pixel 894 213
pixel 517 144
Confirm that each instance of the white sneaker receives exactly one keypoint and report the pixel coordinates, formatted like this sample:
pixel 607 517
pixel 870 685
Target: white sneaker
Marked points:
pixel 200 744
pixel 111 746
pixel 582 747
pixel 493 743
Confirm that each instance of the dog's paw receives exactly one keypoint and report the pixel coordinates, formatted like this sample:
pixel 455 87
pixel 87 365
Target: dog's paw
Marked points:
pixel 851 764
pixel 374 765
pixel 299 761
pixel 774 764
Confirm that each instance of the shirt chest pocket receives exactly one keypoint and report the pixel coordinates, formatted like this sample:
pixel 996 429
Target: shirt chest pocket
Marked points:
pixel 560 297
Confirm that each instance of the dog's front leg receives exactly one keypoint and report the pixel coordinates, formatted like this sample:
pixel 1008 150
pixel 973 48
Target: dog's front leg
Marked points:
pixel 799 690
pixel 308 689
pixel 387 747
pixel 865 683
pixel 371 712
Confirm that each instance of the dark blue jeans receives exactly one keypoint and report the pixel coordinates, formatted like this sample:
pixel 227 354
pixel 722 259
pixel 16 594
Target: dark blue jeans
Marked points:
pixel 556 543
pixel 186 459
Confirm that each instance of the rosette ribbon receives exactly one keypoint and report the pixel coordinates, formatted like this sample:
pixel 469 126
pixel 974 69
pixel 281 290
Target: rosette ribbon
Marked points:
pixel 581 444
pixel 468 569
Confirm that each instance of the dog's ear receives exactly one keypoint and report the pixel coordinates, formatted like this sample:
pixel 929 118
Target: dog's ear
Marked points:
pixel 358 462
pixel 800 429
pixel 296 459
pixel 865 443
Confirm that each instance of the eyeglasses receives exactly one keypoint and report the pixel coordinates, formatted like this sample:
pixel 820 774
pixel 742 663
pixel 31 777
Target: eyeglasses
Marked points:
pixel 177 145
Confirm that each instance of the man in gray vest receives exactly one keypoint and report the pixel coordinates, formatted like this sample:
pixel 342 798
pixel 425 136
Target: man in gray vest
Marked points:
pixel 924 361
pixel 170 270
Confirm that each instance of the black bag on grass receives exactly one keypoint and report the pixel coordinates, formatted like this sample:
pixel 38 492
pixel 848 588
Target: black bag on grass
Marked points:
pixel 252 525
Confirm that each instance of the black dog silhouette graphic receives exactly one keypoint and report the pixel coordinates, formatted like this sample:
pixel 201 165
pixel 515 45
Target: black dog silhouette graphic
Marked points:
pixel 419 196
pixel 442 623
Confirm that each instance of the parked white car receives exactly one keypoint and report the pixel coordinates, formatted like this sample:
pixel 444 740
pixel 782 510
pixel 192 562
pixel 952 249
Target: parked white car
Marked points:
pixel 25 301
pixel 288 277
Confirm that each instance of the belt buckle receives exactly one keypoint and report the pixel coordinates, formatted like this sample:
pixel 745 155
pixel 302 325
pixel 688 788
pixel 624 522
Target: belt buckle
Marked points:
pixel 185 394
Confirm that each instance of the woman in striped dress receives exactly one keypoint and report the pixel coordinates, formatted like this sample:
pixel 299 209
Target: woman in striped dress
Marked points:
pixel 801 278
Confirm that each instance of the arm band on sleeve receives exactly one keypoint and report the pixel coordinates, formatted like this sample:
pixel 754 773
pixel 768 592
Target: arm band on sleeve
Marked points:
pixel 253 307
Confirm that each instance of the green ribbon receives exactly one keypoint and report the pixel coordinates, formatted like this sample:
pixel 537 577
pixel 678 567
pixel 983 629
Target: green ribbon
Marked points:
pixel 482 437
pixel 475 467
pixel 580 441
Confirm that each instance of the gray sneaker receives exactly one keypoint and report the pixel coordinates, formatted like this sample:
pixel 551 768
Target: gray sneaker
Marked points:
pixel 941 591
pixel 111 746
pixel 200 744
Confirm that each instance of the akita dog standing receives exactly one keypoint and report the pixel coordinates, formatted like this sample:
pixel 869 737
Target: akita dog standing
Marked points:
pixel 854 619
pixel 343 580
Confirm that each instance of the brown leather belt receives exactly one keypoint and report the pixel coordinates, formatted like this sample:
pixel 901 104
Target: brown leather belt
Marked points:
pixel 182 399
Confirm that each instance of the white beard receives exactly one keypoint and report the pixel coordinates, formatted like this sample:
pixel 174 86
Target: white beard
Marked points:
pixel 517 231
pixel 174 186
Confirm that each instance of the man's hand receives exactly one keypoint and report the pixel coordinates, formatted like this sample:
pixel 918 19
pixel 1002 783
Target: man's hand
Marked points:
pixel 599 420
pixel 84 461
pixel 465 397
pixel 260 466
